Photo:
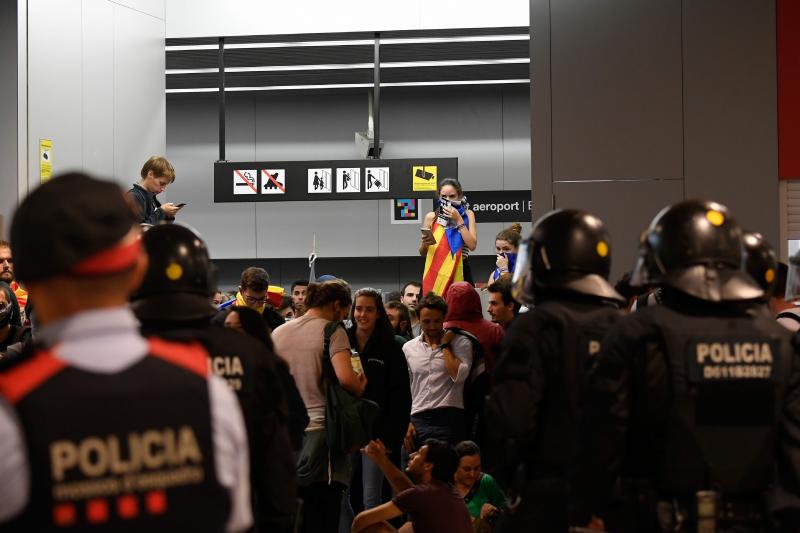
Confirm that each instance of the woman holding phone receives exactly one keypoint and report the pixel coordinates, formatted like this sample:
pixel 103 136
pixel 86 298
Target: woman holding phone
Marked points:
pixel 506 245
pixel 450 227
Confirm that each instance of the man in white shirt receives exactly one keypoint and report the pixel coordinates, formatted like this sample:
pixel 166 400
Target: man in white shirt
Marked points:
pixel 438 363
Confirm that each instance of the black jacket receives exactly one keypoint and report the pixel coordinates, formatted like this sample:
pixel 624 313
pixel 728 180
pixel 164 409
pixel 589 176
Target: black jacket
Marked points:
pixel 387 385
pixel 536 400
pixel 663 406
pixel 265 410
pixel 148 205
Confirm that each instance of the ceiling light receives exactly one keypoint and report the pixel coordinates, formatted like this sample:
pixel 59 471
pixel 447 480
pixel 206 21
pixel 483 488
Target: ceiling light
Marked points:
pixel 348 86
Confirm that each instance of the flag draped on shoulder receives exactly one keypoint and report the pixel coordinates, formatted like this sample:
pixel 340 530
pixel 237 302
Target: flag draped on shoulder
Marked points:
pixel 444 263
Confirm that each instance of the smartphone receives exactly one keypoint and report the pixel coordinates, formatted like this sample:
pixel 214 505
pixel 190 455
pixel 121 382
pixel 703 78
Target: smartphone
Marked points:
pixel 180 205
pixel 426 232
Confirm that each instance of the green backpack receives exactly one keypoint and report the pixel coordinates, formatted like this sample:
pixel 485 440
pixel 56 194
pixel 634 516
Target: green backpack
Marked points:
pixel 349 420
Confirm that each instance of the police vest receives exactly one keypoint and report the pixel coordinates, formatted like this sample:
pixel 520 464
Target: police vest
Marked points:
pixel 727 378
pixel 130 451
pixel 580 329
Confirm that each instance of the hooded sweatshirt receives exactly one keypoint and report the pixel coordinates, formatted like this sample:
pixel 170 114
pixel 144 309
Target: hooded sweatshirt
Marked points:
pixel 464 311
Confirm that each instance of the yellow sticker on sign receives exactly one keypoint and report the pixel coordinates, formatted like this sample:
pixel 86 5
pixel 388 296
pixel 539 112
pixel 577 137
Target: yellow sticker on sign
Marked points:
pixel 424 178
pixel 45 159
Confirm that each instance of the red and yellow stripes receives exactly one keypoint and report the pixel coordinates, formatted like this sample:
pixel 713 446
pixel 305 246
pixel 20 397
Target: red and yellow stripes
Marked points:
pixel 441 266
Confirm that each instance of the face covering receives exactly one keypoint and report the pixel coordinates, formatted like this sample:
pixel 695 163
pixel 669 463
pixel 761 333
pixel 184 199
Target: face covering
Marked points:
pixel 5 315
pixel 512 263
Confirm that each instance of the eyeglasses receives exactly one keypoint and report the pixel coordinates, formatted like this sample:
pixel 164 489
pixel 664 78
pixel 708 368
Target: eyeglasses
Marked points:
pixel 253 299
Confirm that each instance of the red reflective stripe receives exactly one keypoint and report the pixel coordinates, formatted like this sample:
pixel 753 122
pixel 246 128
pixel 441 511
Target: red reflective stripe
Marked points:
pixel 110 260
pixel 193 357
pixel 19 381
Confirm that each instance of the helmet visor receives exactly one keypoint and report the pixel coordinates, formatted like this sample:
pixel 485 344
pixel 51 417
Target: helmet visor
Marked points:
pixel 521 282
pixel 793 282
pixel 640 277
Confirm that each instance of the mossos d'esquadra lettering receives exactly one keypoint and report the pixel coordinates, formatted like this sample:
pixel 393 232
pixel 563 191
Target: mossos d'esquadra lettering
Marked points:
pixel 734 353
pixel 152 449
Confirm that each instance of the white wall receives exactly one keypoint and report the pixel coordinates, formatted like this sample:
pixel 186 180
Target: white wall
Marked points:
pixel 96 85
pixel 203 18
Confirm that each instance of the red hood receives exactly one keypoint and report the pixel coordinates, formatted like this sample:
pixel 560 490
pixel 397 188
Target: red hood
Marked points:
pixel 463 303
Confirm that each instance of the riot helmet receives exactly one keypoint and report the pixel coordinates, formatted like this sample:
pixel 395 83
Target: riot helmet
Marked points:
pixel 567 249
pixel 695 246
pixel 760 261
pixel 179 279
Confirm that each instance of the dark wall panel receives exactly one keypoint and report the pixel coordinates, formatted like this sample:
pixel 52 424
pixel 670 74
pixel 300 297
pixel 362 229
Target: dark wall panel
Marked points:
pixel 643 199
pixel 730 108
pixel 616 89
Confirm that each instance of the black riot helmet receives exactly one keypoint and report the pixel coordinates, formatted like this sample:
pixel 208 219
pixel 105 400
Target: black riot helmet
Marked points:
pixel 568 249
pixel 760 261
pixel 696 247
pixel 179 281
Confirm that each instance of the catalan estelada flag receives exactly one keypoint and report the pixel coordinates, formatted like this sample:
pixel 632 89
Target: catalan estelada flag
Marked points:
pixel 443 265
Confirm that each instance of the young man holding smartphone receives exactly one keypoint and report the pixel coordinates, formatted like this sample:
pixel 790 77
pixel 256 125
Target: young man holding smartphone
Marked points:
pixel 156 174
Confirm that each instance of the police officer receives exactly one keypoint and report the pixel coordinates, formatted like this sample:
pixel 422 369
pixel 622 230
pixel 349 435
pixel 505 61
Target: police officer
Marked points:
pixel 562 272
pixel 697 395
pixel 761 264
pixel 100 428
pixel 174 303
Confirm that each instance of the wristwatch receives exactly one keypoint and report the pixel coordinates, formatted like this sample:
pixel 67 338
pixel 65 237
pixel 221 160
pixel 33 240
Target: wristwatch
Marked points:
pixel 446 345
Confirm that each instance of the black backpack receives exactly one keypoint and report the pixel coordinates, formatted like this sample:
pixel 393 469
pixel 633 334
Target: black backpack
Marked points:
pixel 349 420
pixel 476 387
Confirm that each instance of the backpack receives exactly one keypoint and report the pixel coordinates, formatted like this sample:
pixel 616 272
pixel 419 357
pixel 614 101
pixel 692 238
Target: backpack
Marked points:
pixel 476 387
pixel 349 420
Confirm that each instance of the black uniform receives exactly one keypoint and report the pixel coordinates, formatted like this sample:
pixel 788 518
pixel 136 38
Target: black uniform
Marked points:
pixel 252 373
pixel 693 406
pixel 537 394
pixel 126 466
pixel 174 302
pixel 693 396
pixel 537 397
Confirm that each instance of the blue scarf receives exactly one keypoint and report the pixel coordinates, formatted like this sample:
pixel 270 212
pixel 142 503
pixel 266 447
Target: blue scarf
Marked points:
pixel 512 262
pixel 454 238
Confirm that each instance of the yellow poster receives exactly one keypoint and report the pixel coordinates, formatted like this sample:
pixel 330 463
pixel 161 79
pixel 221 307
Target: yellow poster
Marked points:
pixel 424 178
pixel 45 159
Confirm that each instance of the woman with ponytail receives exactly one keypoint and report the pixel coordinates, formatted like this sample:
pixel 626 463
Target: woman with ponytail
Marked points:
pixel 506 245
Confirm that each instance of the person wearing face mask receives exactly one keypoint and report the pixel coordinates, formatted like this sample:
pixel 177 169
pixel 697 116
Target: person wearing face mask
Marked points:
pixel 449 234
pixel 321 475
pixel 387 385
pixel 10 333
pixel 506 245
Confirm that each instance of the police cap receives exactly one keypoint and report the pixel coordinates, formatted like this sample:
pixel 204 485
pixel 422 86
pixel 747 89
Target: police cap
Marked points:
pixel 178 284
pixel 568 249
pixel 73 225
pixel 695 246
